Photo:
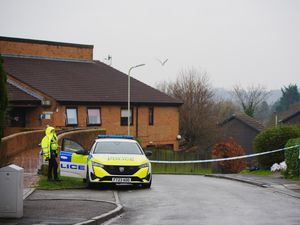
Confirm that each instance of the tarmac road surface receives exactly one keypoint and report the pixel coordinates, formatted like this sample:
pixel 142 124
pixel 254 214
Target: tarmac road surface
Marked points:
pixel 181 199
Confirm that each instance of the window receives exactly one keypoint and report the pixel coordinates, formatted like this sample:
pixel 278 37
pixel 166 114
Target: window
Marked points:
pixel 117 147
pixel 69 145
pixel 17 117
pixel 124 117
pixel 71 114
pixel 94 117
pixel 46 115
pixel 151 115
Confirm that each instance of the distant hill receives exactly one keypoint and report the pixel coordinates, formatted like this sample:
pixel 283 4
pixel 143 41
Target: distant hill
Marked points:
pixel 222 93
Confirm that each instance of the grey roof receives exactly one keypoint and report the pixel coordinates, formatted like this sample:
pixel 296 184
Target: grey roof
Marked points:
pixel 292 112
pixel 16 94
pixel 82 82
pixel 250 121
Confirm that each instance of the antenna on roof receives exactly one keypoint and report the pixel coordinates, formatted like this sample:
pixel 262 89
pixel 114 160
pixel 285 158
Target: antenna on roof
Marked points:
pixel 109 60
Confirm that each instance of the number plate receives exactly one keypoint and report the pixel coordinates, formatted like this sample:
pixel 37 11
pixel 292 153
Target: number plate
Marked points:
pixel 121 180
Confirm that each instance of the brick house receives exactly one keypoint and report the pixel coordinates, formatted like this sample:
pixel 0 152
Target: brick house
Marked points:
pixel 242 128
pixel 62 85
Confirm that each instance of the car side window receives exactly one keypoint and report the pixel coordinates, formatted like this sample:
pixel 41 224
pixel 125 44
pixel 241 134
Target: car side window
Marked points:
pixel 69 145
pixel 93 147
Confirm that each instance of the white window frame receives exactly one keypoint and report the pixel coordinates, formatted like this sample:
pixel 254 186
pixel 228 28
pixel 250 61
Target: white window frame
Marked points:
pixel 67 118
pixel 89 123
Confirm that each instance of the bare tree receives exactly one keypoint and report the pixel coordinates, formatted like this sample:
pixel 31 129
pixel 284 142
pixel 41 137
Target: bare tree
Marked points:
pixel 165 87
pixel 197 116
pixel 250 98
pixel 225 108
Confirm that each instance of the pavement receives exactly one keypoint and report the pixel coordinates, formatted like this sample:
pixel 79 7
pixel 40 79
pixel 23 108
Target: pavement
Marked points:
pixel 68 206
pixel 275 182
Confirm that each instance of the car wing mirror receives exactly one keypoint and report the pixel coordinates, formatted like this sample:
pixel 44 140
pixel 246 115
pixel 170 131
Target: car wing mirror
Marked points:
pixel 148 153
pixel 81 152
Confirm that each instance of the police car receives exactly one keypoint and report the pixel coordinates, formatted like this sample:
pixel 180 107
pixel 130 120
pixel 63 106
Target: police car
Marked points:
pixel 112 159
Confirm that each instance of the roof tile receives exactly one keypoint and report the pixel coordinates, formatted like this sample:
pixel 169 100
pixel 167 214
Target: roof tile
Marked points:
pixel 16 94
pixel 77 81
pixel 293 111
pixel 250 121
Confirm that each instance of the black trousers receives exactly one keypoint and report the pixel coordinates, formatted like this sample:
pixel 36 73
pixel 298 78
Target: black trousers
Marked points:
pixel 52 168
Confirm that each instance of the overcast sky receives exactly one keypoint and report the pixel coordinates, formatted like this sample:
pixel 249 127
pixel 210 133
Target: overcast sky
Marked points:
pixel 236 41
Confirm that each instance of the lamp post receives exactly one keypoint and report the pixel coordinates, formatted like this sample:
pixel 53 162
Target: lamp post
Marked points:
pixel 128 111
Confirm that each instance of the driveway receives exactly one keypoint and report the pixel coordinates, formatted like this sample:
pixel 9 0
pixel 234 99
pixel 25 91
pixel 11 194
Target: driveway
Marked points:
pixel 180 199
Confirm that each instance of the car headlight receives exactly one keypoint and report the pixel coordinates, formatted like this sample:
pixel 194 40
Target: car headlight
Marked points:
pixel 97 164
pixel 144 165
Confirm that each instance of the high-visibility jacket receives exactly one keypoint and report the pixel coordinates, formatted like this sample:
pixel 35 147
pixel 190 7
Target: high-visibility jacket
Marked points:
pixel 49 142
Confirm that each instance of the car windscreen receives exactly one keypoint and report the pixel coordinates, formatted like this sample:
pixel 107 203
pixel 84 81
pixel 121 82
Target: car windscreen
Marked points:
pixel 117 147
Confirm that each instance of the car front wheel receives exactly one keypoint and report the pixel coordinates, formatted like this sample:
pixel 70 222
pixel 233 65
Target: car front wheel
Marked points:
pixel 89 184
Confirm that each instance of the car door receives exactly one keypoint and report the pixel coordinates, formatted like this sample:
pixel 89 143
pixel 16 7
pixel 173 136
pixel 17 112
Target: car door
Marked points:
pixel 73 159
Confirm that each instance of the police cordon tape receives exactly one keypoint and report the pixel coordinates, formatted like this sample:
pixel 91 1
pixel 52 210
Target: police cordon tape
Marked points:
pixel 225 159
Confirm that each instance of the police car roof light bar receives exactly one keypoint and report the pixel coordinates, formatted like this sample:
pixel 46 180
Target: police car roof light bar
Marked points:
pixel 115 136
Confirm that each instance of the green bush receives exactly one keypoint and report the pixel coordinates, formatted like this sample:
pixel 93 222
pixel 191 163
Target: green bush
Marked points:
pixel 271 139
pixel 292 159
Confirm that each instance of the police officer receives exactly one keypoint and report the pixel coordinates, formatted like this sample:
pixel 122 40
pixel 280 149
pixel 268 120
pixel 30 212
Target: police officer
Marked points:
pixel 50 151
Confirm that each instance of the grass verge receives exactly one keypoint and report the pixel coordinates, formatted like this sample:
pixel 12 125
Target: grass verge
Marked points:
pixel 294 178
pixel 66 182
pixel 188 169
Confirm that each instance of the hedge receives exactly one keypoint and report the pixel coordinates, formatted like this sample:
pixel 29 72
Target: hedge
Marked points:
pixel 271 139
pixel 292 159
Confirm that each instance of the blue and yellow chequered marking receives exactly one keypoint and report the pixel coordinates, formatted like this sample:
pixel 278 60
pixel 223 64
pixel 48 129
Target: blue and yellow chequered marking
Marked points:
pixel 73 164
pixel 66 156
pixel 73 157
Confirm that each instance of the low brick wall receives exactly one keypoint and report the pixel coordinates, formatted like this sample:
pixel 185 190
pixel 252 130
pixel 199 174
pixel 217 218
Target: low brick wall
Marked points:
pixel 14 130
pixel 85 137
pixel 22 148
pixel 20 142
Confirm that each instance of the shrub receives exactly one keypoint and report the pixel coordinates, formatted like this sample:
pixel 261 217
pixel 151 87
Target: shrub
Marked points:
pixel 228 149
pixel 271 139
pixel 292 159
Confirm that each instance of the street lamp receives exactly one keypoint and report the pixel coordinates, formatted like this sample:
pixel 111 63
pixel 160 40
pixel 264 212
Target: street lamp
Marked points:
pixel 128 111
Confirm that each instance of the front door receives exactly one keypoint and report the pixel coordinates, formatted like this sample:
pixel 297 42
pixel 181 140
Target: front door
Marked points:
pixel 73 159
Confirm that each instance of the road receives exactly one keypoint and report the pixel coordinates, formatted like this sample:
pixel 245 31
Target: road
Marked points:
pixel 180 199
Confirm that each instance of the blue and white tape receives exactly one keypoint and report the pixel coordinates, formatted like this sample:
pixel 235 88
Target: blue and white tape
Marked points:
pixel 225 159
